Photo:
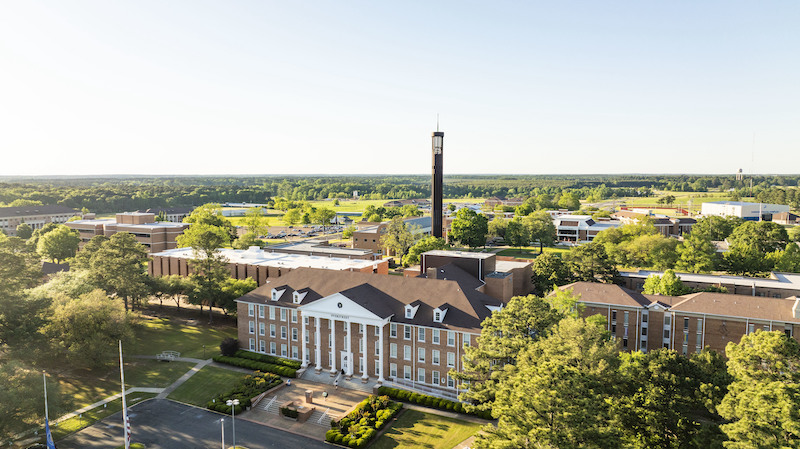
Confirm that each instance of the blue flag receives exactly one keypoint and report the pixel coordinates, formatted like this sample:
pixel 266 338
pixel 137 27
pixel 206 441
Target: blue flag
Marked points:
pixel 49 437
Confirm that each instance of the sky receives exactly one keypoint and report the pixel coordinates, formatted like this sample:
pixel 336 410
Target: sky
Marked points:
pixel 355 87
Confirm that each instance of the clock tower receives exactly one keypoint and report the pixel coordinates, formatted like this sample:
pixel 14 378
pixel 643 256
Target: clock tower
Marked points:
pixel 436 185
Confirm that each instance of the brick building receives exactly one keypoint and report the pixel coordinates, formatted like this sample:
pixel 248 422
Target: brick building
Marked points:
pixel 368 235
pixel 687 323
pixel 261 265
pixel 35 216
pixel 777 285
pixel 401 331
pixel 156 236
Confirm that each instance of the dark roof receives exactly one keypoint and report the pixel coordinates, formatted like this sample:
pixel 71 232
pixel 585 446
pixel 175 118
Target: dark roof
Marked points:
pixel 23 211
pixel 452 272
pixel 49 268
pixel 383 294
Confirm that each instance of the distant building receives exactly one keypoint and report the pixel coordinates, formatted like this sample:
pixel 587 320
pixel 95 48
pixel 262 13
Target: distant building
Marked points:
pixel 35 216
pixel 495 201
pixel 322 248
pixel 174 214
pixel 156 236
pixel 261 265
pixel 747 211
pixel 688 323
pixel 667 226
pixel 580 228
pixel 786 218
pixel 368 235
pixel 419 202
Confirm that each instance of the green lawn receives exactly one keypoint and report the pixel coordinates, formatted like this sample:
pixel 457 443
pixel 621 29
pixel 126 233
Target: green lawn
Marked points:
pixel 205 384
pixel 77 423
pixel 161 334
pixel 417 429
pixel 154 373
pixel 531 252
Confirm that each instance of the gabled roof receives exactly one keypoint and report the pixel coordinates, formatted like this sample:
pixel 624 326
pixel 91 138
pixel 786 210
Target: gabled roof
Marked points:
pixel 598 293
pixel 753 307
pixel 373 300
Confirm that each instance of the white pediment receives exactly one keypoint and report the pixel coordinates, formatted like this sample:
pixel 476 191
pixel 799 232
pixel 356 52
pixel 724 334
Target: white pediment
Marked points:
pixel 340 307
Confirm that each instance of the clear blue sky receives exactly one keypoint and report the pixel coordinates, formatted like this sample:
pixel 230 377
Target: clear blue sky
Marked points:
pixel 340 87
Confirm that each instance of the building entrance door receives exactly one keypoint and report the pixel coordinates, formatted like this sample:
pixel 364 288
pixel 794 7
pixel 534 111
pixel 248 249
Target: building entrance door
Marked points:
pixel 347 362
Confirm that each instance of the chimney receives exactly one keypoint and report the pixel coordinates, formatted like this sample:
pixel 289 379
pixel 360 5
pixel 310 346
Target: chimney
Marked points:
pixel 431 272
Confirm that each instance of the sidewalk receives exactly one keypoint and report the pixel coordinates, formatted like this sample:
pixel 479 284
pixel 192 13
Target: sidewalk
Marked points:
pixel 200 364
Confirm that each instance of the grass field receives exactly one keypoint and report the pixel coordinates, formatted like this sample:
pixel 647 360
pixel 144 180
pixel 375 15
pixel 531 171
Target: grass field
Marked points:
pixel 415 429
pixel 205 384
pixel 161 334
pixel 77 423
pixel 531 252
pixel 681 200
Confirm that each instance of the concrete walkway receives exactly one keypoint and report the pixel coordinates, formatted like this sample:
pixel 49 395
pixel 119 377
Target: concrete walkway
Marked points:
pixel 129 391
pixel 177 359
pixel 200 364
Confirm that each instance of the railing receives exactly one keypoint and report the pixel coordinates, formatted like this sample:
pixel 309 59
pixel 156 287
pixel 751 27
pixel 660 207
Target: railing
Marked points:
pixel 274 398
pixel 324 414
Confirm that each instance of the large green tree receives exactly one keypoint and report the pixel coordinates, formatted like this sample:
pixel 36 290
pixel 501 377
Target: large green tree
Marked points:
pixel 589 262
pixel 20 314
pixel 668 284
pixel 469 228
pixel 118 267
pixel 763 401
pixel 715 227
pixel 209 267
pixel 59 244
pixel 24 231
pixel 789 259
pixel 556 394
pixel 255 221
pixel 548 269
pixel 21 398
pixel 749 244
pixel 429 243
pixel 696 253
pixel 497 227
pixel 398 237
pixel 323 216
pixel 517 234
pixel 211 214
pixel 541 228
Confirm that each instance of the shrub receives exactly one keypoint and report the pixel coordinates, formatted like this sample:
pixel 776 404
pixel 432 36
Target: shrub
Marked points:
pixel 266 358
pixel 330 436
pixel 284 371
pixel 286 411
pixel 430 401
pixel 229 346
pixel 339 438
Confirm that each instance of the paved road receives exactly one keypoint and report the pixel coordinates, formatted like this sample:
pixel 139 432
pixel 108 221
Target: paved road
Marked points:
pixel 164 424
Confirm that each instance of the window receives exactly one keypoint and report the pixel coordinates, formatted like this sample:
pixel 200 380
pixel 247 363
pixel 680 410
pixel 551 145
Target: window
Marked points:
pixel 437 316
pixel 644 318
pixel 750 328
pixel 686 324
pixel 252 327
pixel 613 316
pixel 406 352
pixel 421 355
pixel 685 349
pixel 272 330
pixel 377 368
pixel 330 341
pixel 766 328
pixel 308 356
pixel 393 370
pixel 451 338
pixel 407 332
pixel 421 375
pixel 272 347
pixel 451 359
pixel 451 383
pixel 699 325
pixel 283 314
pixel 252 345
pixel 644 332
pixel 393 330
pixel 262 346
pixel 435 336
pixel 435 377
pixel 261 311
pixel 294 352
pixel 361 345
pixel 613 328
pixel 262 329
pixel 251 309
pixel 360 328
pixel 667 320
pixel 625 343
pixel 393 350
pixel 377 331
pixel 305 320
pixel 787 329
pixel 666 334
pixel 307 336
pixel 283 333
pixel 283 350
pixel 294 334
pixel 377 348
pixel 435 356
pixel 421 334
pixel 465 338
pixel 625 316
pixel 294 316
pixel 407 372
pixel 271 312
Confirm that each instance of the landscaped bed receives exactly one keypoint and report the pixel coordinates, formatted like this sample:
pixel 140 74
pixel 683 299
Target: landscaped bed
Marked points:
pixel 363 423
pixel 245 390
pixel 261 362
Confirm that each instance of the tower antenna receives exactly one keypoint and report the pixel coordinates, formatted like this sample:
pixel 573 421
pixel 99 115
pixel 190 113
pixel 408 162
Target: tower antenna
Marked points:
pixel 437 121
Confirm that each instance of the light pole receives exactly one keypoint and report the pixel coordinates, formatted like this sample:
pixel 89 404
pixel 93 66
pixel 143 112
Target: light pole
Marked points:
pixel 222 425
pixel 232 403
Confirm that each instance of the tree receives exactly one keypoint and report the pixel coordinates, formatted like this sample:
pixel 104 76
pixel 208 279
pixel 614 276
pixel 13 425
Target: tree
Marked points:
pixel 541 228
pixel 209 267
pixel 548 270
pixel 668 284
pixel 411 210
pixel 556 394
pixel 83 258
pixel 589 262
pixel 59 244
pixel 517 233
pixel 763 401
pixel 292 216
pixel 119 267
pixel 234 289
pixel 88 328
pixel 255 221
pixel 569 201
pixel 749 244
pixel 347 233
pixel 229 346
pixel 24 231
pixel 503 335
pixel 497 227
pixel 323 216
pixel 247 240
pixel 21 397
pixel 789 261
pixel 429 243
pixel 20 314
pixel 794 233
pixel 715 227
pixel 211 214
pixel 696 253
pixel 398 237
pixel 469 228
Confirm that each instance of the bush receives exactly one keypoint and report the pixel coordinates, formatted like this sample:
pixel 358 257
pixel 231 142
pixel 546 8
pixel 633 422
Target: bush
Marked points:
pixel 281 370
pixel 286 411
pixel 229 346
pixel 295 364
pixel 330 436
pixel 244 390
pixel 431 401
pixel 363 422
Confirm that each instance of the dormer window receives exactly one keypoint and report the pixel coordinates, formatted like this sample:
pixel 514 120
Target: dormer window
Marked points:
pixel 411 311
pixel 438 314
pixel 297 297
pixel 276 294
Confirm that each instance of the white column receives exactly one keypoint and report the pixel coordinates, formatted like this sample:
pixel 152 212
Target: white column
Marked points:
pixel 364 354
pixel 303 341
pixel 380 353
pixel 332 325
pixel 317 345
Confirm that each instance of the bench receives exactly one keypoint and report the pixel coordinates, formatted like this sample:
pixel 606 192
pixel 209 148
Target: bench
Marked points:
pixel 168 356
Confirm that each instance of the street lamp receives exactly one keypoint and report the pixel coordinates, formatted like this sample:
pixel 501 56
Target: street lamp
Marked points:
pixel 232 403
pixel 222 425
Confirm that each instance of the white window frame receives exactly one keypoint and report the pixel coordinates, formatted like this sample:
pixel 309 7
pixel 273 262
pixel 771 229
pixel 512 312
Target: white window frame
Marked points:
pixel 421 375
pixel 273 348
pixel 451 359
pixel 393 350
pixel 407 332
pixel 272 330
pixel 284 314
pixel 406 372
pixel 261 311
pixel 435 337
pixel 421 334
pixel 295 334
pixel 251 310
pixel 284 333
pixel 252 345
pixel 393 370
pixel 271 312
pixel 435 357
pixel 251 327
pixel 421 355
pixel 393 330
pixel 262 328
pixel 294 315
pixel 407 352
pixel 451 338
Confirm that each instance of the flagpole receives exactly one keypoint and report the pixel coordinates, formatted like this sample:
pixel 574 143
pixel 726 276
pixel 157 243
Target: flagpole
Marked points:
pixel 44 380
pixel 124 406
pixel 48 437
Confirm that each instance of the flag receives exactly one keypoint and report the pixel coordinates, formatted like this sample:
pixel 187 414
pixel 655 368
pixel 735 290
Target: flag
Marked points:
pixel 48 437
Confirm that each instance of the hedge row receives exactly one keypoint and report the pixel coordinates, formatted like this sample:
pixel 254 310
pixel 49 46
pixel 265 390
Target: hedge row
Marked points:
pixel 266 358
pixel 284 371
pixel 362 424
pixel 431 401
pixel 252 385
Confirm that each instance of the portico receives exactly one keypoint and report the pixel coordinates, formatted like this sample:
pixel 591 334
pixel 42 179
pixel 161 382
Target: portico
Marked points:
pixel 356 323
